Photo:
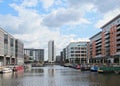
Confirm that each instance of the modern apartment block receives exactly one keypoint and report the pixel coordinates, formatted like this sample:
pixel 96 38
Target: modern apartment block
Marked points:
pixel 34 54
pixel 95 48
pixel 77 52
pixel 63 56
pixel 8 48
pixel 51 51
pixel 105 46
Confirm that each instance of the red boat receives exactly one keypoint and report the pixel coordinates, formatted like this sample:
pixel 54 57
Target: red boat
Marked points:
pixel 78 67
pixel 18 68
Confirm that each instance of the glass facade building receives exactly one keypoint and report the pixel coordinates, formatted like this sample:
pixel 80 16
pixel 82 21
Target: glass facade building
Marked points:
pixel 34 54
pixel 8 48
pixel 77 52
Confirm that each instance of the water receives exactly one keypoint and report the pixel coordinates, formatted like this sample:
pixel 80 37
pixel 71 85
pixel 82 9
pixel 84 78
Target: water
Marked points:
pixel 58 76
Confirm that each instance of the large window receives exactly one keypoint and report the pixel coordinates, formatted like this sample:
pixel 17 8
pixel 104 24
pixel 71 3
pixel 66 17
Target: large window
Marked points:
pixel 31 52
pixel 11 42
pixel 5 38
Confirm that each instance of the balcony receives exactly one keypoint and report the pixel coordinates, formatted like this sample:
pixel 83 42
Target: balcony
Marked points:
pixel 107 45
pixel 98 45
pixel 118 33
pixel 107 36
pixel 118 26
pixel 97 42
pixel 118 47
pixel 118 42
pixel 118 38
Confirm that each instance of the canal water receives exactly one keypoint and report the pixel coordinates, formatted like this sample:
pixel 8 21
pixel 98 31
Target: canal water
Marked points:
pixel 58 76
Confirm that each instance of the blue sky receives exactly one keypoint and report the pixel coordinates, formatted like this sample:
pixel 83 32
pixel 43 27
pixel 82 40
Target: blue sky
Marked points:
pixel 36 22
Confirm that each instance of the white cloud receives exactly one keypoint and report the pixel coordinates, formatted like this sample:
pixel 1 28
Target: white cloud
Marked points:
pixel 102 6
pixel 35 29
pixel 9 21
pixel 28 28
pixel 108 8
pixel 107 5
pixel 69 16
pixel 30 3
pixel 80 40
pixel 47 3
pixel 107 17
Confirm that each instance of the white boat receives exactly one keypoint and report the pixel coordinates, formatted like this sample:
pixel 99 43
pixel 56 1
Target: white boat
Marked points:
pixel 6 70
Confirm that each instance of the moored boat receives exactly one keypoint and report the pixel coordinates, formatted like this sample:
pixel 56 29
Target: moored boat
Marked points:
pixel 6 70
pixel 18 68
pixel 78 67
pixel 109 69
pixel 85 68
pixel 94 69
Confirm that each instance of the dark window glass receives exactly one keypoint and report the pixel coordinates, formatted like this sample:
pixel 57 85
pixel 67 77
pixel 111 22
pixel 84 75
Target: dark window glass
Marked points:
pixel 11 42
pixel 5 38
pixel 31 53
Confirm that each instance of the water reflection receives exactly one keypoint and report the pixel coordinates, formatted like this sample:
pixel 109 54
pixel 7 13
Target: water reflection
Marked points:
pixel 51 72
pixel 6 76
pixel 51 79
pixel 58 76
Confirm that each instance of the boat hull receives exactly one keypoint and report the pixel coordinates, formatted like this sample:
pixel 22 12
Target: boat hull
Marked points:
pixel 94 69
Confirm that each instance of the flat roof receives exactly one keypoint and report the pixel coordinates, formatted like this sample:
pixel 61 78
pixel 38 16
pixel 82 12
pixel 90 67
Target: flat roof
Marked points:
pixel 32 49
pixel 118 16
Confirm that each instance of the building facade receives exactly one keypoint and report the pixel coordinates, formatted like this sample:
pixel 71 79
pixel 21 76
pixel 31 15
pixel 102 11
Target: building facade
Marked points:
pixel 58 59
pixel 7 48
pixel 77 52
pixel 95 48
pixel 34 54
pixel 105 46
pixel 19 52
pixel 51 51
pixel 61 57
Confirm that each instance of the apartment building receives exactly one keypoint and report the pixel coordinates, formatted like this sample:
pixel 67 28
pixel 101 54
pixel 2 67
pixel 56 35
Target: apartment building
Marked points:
pixel 96 51
pixel 51 51
pixel 7 48
pixel 105 45
pixel 77 52
pixel 61 57
pixel 34 54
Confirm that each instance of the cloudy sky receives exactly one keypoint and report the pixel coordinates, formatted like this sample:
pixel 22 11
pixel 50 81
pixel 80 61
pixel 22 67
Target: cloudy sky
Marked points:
pixel 36 22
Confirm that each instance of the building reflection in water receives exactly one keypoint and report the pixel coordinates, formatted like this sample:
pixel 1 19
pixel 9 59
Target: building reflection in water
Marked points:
pixel 51 72
pixel 37 70
pixel 58 76
pixel 6 76
pixel 51 79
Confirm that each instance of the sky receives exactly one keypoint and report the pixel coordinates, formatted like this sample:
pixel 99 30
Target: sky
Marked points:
pixel 35 22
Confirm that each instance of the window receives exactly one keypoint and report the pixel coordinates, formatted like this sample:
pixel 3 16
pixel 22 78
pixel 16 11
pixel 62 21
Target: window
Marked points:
pixel 11 42
pixel 31 52
pixel 72 51
pixel 5 38
pixel 83 51
pixel 72 47
pixel 77 51
pixel 72 54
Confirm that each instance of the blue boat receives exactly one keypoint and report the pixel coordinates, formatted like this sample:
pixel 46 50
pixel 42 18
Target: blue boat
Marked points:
pixel 94 69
